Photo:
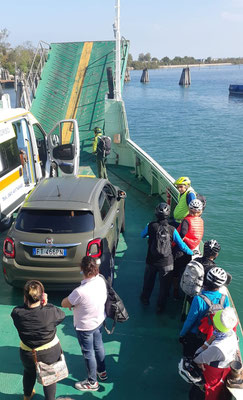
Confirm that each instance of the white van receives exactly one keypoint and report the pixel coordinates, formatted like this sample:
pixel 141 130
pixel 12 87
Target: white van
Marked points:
pixel 27 154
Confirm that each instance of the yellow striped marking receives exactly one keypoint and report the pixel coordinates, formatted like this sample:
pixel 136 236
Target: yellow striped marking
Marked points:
pixel 76 92
pixel 86 176
pixel 15 116
pixel 10 179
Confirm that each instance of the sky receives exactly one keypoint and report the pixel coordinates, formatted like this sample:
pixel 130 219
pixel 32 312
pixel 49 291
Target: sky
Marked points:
pixel 197 28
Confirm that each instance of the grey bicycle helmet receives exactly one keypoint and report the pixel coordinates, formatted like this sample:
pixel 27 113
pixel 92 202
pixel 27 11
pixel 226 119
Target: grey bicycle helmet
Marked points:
pixel 162 210
pixel 195 205
pixel 211 248
pixel 216 277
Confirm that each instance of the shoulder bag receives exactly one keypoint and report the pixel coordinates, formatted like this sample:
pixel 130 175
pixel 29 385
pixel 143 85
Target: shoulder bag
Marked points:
pixel 47 374
pixel 114 307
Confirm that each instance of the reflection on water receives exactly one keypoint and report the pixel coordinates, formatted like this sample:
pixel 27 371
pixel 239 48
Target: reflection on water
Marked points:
pixel 235 98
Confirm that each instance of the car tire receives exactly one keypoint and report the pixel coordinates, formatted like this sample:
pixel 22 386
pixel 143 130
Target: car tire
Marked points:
pixel 112 268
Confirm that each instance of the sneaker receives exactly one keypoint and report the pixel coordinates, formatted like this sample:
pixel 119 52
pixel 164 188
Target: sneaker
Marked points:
pixel 102 375
pixel 86 386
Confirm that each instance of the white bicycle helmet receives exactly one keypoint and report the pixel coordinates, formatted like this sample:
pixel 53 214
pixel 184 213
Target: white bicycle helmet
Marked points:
pixel 216 276
pixel 189 372
pixel 196 205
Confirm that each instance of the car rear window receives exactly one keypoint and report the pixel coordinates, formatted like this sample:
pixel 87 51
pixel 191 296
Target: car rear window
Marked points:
pixel 55 221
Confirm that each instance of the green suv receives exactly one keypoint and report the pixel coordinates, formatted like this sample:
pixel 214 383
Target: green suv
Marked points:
pixel 61 221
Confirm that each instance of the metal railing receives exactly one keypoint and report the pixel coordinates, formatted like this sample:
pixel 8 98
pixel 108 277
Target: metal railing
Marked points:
pixel 28 86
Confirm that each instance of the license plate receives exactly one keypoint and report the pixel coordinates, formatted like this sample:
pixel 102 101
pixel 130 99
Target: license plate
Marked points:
pixel 52 252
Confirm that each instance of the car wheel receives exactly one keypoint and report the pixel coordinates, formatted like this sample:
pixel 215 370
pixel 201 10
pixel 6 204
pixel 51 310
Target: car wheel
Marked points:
pixel 112 269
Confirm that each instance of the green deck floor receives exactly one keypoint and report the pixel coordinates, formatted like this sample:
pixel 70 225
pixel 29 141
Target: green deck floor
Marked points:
pixel 141 355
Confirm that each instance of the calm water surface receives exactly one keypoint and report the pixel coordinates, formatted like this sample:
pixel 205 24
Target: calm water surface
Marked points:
pixel 198 132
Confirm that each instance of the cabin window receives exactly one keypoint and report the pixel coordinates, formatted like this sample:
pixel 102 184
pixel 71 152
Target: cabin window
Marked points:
pixel 110 193
pixel 3 162
pixel 104 204
pixel 41 144
pixel 24 143
pixel 9 156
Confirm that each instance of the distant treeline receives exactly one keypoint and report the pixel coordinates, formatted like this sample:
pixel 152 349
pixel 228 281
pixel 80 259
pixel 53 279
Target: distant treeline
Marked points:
pixel 19 57
pixel 146 61
pixel 22 56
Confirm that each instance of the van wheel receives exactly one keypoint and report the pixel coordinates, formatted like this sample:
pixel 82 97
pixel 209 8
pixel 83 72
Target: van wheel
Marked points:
pixel 53 170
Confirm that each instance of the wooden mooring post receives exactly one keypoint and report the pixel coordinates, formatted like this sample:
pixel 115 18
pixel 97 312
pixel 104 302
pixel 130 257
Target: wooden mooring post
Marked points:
pixel 145 76
pixel 127 75
pixel 185 79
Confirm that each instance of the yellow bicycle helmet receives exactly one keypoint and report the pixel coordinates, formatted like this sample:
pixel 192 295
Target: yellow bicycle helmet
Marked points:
pixel 183 180
pixel 97 130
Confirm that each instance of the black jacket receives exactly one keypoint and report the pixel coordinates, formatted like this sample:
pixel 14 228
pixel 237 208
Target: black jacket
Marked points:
pixel 37 326
pixel 158 261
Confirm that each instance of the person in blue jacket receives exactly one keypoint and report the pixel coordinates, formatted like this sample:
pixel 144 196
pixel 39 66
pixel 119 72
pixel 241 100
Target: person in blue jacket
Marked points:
pixel 160 261
pixel 190 335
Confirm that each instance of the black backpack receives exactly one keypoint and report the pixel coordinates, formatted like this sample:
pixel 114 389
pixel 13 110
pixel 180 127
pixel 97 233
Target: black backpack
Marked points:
pixel 104 145
pixel 114 307
pixel 202 199
pixel 161 245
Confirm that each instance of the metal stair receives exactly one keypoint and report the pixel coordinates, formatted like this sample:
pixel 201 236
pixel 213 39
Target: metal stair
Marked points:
pixel 26 87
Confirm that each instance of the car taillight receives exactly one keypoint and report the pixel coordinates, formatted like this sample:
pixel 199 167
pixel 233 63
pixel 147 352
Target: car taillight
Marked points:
pixel 8 248
pixel 94 248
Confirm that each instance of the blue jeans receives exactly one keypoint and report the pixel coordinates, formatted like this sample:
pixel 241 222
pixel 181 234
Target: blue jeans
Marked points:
pixel 93 351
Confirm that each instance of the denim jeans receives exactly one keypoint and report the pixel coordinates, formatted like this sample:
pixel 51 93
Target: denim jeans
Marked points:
pixel 93 351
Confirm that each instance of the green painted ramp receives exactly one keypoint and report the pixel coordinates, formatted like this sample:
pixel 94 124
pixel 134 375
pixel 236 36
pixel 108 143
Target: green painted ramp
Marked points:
pixel 74 84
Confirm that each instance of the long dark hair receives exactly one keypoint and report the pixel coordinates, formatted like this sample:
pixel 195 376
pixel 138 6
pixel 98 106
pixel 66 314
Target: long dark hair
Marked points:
pixel 33 291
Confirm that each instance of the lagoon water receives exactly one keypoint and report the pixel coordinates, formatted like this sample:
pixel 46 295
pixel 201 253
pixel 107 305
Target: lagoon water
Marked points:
pixel 197 131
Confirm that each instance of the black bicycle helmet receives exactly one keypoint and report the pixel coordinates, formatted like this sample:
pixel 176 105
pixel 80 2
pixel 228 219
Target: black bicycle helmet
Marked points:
pixel 162 211
pixel 211 248
pixel 216 277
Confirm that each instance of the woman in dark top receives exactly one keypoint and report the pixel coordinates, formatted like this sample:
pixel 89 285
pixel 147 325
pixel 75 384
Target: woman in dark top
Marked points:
pixel 36 322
